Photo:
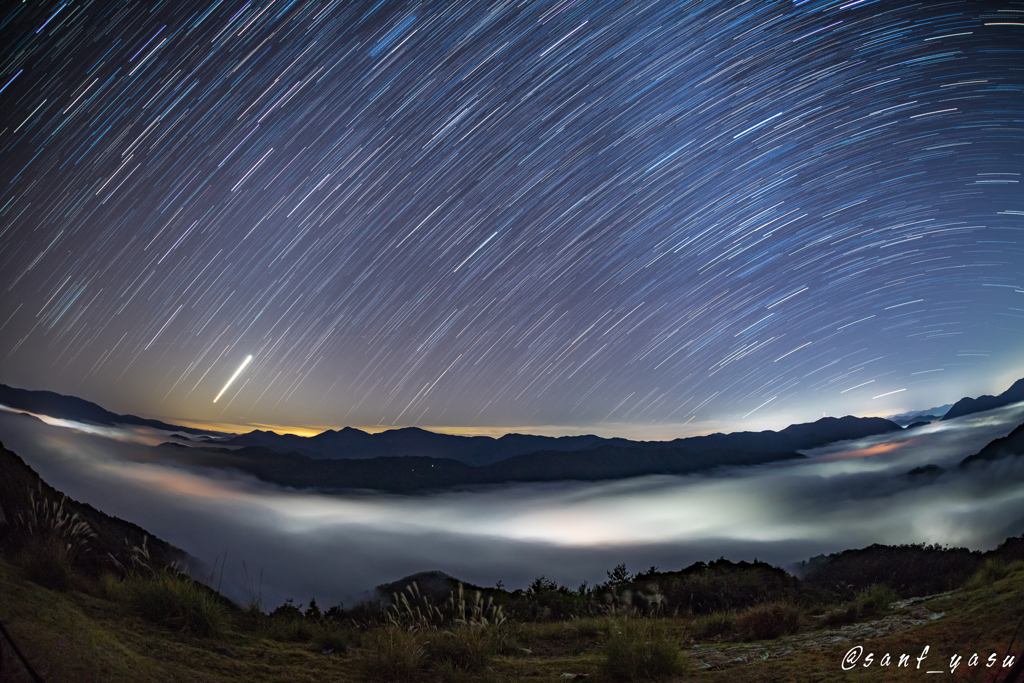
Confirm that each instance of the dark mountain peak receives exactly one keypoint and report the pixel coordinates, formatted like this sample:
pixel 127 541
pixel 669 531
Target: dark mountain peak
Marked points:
pixel 967 405
pixel 1010 445
pixel 435 584
pixel 926 470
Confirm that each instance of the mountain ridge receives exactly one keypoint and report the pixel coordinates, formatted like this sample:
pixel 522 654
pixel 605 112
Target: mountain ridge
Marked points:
pixel 400 472
pixel 353 444
pixel 968 406
pixel 52 404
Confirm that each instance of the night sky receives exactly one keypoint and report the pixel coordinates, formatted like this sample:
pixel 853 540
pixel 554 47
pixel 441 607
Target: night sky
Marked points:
pixel 644 218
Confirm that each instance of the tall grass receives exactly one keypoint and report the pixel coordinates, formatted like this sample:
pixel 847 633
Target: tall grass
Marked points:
pixel 48 562
pixel 52 540
pixel 640 650
pixel 768 621
pixel 464 648
pixel 176 601
pixel 166 596
pixel 871 602
pixel 992 571
pixel 714 626
pixel 411 609
pixel 393 654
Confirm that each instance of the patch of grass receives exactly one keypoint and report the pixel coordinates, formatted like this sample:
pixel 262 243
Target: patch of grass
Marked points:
pixel 465 648
pixel 294 630
pixel 176 601
pixel 47 562
pixel 640 650
pixel 331 640
pixel 590 627
pixel 768 621
pixel 873 601
pixel 511 639
pixel 715 626
pixel 992 571
pixel 392 654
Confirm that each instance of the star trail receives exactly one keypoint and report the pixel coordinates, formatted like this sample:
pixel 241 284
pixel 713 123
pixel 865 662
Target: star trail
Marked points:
pixel 593 215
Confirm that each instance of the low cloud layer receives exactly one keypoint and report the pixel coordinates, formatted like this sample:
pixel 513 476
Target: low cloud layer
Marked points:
pixel 336 547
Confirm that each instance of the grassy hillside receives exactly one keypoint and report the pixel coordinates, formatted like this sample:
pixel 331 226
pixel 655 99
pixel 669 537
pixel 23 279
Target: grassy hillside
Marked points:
pixel 82 636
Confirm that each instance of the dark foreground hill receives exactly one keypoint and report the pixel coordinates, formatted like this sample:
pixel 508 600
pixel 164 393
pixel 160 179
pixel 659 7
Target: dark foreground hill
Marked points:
pixel 611 459
pixel 78 409
pixel 1009 446
pixel 20 486
pixel 967 406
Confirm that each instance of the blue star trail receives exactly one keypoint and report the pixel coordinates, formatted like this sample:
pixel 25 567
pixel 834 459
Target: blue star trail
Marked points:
pixel 500 214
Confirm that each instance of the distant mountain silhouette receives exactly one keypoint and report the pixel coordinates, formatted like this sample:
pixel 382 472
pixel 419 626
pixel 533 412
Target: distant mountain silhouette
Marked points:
pixel 402 473
pixel 966 406
pixel 1010 445
pixel 930 415
pixel 353 444
pixel 78 409
pixel 929 470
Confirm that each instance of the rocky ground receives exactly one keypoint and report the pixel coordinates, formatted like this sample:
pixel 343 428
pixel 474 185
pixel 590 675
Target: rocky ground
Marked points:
pixel 907 614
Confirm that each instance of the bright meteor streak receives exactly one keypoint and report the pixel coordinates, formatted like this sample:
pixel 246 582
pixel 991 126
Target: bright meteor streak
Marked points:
pixel 238 372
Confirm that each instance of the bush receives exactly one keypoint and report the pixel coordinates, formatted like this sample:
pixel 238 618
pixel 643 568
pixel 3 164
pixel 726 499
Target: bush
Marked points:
pixel 392 654
pixel 714 626
pixel 768 621
pixel 175 600
pixel 640 651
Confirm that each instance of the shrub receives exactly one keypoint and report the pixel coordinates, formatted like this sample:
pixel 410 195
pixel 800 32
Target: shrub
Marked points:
pixel 714 626
pixel 639 650
pixel 176 600
pixel 392 654
pixel 768 621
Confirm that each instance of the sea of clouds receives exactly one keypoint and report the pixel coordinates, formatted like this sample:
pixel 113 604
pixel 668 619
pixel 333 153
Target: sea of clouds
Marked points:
pixel 252 537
